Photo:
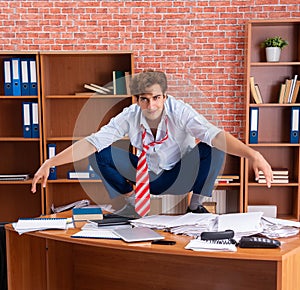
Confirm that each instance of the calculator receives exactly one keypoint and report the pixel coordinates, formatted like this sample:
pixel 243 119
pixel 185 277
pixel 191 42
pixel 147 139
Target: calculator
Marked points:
pixel 258 242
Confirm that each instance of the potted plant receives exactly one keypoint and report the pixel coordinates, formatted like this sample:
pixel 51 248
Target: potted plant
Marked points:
pixel 273 46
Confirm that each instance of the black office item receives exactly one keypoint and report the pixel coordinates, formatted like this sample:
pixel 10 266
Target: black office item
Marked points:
pixel 258 242
pixel 228 234
pixel 111 221
pixel 163 242
pixel 220 237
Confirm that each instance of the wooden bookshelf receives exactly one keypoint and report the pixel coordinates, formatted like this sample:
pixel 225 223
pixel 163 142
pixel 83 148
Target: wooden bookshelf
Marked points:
pixel 18 155
pixel 274 121
pixel 69 116
pixel 69 112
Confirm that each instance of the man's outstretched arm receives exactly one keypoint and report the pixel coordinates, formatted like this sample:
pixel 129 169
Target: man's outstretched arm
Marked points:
pixel 75 152
pixel 226 142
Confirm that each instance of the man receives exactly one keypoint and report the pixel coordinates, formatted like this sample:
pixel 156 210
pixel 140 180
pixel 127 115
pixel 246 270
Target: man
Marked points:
pixel 169 129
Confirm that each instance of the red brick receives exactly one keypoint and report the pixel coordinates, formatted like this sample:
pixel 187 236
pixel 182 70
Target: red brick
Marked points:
pixel 200 44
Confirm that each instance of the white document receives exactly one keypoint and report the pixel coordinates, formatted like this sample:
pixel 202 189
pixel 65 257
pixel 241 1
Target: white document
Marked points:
pixel 96 234
pixel 209 246
pixel 165 221
pixel 282 222
pixel 39 224
pixel 91 226
pixel 77 204
pixel 240 222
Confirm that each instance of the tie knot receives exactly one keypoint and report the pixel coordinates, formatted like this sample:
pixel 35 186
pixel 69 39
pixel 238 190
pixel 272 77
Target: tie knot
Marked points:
pixel 147 146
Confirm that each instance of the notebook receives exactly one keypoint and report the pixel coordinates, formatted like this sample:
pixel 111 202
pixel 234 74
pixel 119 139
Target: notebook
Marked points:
pixel 96 234
pixel 138 234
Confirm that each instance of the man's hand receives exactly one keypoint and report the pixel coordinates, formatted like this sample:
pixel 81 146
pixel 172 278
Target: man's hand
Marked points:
pixel 260 163
pixel 42 174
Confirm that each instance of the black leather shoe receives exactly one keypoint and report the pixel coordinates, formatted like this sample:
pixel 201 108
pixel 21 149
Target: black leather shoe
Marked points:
pixel 199 209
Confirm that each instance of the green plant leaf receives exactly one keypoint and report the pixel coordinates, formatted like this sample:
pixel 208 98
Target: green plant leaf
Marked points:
pixel 276 41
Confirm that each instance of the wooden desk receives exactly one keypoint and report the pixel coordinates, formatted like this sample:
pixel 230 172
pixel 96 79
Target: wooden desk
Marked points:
pixel 52 260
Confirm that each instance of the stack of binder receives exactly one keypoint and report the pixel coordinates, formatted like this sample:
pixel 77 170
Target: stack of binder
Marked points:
pixel 20 77
pixel 30 120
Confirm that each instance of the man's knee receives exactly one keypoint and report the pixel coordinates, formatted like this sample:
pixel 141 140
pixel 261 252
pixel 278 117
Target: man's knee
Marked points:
pixel 98 159
pixel 103 156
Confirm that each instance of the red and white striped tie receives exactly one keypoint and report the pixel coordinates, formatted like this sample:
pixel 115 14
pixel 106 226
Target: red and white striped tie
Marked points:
pixel 142 190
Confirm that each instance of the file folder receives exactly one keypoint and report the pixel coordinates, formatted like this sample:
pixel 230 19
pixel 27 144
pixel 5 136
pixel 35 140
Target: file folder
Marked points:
pixel 294 133
pixel 51 153
pixel 253 126
pixel 26 119
pixel 35 120
pixel 33 91
pixel 24 77
pixel 92 172
pixel 119 85
pixel 78 175
pixel 16 76
pixel 8 91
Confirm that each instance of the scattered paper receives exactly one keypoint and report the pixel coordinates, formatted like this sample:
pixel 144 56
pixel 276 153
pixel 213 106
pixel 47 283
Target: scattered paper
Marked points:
pixel 39 224
pixel 208 246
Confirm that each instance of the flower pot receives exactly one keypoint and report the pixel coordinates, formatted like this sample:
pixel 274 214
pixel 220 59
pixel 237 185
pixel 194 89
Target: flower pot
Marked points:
pixel 273 54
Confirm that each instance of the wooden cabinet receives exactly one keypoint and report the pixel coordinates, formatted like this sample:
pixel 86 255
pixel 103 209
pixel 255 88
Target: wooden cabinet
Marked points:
pixel 274 118
pixel 69 114
pixel 18 155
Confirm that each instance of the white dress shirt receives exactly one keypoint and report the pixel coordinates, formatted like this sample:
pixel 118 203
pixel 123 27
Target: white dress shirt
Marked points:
pixel 184 126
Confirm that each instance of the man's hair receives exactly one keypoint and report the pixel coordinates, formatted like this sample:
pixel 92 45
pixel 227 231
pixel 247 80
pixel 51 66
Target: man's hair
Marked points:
pixel 141 82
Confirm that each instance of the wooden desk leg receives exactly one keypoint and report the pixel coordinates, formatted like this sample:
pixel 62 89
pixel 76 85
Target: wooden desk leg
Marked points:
pixel 26 262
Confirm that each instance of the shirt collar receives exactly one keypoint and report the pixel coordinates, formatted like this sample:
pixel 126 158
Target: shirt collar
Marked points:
pixel 161 125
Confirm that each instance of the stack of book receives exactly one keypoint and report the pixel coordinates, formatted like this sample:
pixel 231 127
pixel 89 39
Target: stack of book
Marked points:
pixel 98 89
pixel 118 86
pixel 228 178
pixel 92 212
pixel 255 92
pixel 289 91
pixel 280 175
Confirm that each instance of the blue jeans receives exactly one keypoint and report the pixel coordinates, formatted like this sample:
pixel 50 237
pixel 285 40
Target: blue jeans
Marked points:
pixel 196 171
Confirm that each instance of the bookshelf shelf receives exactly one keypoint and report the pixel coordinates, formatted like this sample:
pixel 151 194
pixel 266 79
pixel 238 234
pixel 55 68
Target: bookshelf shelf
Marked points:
pixel 18 97
pixel 264 63
pixel 273 185
pixel 274 118
pixel 75 181
pixel 18 139
pixel 276 105
pixel 89 96
pixel 261 144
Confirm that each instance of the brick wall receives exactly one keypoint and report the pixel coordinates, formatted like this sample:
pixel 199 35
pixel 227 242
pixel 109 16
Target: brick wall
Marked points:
pixel 199 44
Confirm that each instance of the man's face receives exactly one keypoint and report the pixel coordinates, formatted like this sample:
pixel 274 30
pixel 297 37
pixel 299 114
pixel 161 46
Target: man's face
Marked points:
pixel 152 103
